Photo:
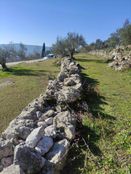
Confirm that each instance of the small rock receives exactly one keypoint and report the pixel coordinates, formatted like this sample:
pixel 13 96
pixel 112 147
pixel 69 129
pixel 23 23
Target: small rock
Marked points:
pixel 23 132
pixel 34 137
pixel 70 94
pixel 42 123
pixel 44 145
pixel 49 121
pixel 58 151
pixel 69 132
pixel 50 131
pixel 61 76
pixel 63 117
pixel 28 159
pixel 6 148
pixel 38 114
pixel 29 114
pixel 1 167
pixel 13 169
pixel 73 69
pixel 46 115
pixel 7 161
pixel 69 82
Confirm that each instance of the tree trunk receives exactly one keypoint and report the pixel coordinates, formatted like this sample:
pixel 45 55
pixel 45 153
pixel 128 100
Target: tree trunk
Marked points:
pixel 4 67
pixel 71 55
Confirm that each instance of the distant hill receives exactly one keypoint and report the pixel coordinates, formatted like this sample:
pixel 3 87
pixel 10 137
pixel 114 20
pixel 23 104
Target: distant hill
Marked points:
pixel 30 48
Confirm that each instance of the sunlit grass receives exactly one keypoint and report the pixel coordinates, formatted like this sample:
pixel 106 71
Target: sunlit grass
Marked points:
pixel 28 81
pixel 108 133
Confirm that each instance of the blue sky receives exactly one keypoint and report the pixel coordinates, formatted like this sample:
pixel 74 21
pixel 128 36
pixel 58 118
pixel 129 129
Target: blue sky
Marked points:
pixel 38 21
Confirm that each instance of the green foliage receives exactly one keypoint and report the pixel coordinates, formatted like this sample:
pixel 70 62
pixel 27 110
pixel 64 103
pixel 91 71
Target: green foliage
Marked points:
pixel 125 35
pixel 113 40
pixel 121 36
pixel 99 44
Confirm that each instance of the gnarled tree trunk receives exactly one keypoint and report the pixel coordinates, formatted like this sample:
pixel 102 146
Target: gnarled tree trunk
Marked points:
pixel 4 67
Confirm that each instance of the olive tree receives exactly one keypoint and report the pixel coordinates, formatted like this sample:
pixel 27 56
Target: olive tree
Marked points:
pixel 73 42
pixel 4 54
pixel 125 33
pixel 68 45
pixel 59 48
pixel 22 51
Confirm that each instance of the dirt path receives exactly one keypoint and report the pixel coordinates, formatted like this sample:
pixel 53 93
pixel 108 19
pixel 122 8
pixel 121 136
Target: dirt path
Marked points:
pixel 27 61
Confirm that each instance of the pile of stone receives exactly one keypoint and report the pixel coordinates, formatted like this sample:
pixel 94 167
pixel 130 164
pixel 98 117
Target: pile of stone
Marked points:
pixel 121 59
pixel 38 140
pixel 102 53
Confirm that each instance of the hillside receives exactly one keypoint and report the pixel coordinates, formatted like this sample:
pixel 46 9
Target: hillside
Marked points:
pixel 30 48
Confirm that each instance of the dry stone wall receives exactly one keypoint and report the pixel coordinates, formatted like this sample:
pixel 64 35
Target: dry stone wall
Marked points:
pixel 38 140
pixel 121 59
pixel 102 53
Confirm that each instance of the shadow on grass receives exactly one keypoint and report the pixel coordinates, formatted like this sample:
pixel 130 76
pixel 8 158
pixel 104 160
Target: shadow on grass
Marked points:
pixel 25 72
pixel 88 137
pixel 28 72
pixel 93 98
pixel 77 154
pixel 91 60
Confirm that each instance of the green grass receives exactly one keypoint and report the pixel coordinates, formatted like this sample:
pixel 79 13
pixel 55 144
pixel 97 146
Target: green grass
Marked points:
pixel 29 80
pixel 106 129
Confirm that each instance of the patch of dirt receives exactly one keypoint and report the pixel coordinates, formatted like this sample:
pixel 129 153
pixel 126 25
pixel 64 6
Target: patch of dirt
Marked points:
pixel 6 82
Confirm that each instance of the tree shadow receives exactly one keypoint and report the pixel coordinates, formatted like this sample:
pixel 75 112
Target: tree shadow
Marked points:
pixel 88 137
pixel 30 72
pixel 91 60
pixel 93 98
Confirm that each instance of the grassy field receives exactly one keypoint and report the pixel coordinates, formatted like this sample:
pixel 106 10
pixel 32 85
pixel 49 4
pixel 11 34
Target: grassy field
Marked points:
pixel 105 146
pixel 24 83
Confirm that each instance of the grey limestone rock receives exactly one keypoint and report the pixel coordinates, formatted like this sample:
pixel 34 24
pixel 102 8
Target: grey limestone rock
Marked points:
pixel 34 137
pixel 59 151
pixel 6 148
pixel 13 169
pixel 44 145
pixel 28 159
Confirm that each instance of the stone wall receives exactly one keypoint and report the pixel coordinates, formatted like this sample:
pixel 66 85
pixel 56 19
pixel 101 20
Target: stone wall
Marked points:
pixel 102 53
pixel 121 59
pixel 38 140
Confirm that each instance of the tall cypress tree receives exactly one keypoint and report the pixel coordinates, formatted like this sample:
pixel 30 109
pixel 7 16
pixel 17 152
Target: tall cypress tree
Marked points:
pixel 43 50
